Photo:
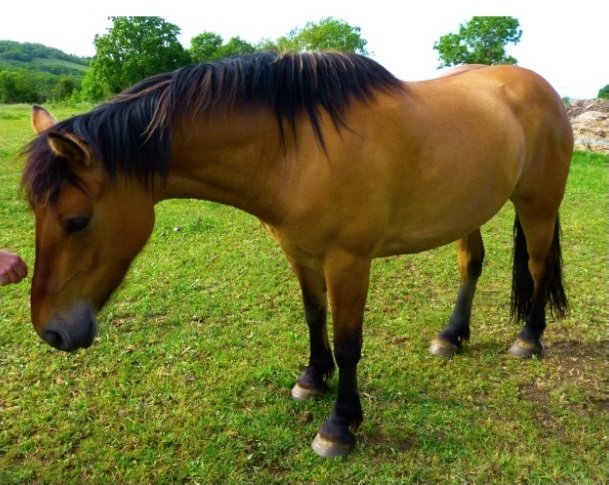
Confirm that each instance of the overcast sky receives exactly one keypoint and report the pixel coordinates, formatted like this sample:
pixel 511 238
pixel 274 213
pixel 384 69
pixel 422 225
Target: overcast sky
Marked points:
pixel 566 44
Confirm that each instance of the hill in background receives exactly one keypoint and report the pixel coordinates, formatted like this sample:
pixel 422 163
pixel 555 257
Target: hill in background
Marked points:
pixel 35 73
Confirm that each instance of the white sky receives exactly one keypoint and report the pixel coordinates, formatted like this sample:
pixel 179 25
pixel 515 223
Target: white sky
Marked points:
pixel 566 44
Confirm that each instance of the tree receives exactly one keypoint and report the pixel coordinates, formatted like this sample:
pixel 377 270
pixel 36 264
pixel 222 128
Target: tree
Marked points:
pixel 328 34
pixel 482 40
pixel 65 87
pixel 204 47
pixel 603 92
pixel 207 47
pixel 19 87
pixel 135 48
pixel 93 88
pixel 235 46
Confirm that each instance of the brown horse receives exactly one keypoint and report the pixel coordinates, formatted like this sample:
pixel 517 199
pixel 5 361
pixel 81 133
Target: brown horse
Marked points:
pixel 342 163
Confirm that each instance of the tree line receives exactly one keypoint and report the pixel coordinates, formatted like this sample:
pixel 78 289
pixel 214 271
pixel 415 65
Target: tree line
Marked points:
pixel 137 47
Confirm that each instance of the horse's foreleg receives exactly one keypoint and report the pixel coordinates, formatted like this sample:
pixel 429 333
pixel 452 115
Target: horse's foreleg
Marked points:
pixel 321 365
pixel 470 254
pixel 348 287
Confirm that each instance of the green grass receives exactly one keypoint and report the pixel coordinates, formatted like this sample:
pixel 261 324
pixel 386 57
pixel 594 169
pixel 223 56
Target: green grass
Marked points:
pixel 189 378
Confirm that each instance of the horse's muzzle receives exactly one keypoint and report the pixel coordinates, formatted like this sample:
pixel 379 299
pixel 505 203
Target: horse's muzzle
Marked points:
pixel 72 331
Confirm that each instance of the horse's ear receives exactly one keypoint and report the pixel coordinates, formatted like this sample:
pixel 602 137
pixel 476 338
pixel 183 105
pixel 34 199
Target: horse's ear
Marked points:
pixel 70 147
pixel 42 120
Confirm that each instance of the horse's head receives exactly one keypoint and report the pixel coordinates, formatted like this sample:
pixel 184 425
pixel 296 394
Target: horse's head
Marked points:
pixel 89 228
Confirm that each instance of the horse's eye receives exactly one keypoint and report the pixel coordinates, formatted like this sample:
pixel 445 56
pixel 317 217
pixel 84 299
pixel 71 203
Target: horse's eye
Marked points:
pixel 76 224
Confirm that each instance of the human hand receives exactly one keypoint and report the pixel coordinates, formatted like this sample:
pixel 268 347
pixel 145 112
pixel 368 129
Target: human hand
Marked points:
pixel 12 268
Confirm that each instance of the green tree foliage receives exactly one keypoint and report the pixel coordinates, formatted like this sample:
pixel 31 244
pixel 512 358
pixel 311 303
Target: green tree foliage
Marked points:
pixel 65 88
pixel 133 49
pixel 93 88
pixel 207 47
pixel 204 47
pixel 18 87
pixel 482 40
pixel 236 46
pixel 327 34
pixel 23 85
pixel 603 92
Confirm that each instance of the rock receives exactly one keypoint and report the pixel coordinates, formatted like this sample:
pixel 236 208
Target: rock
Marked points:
pixel 590 121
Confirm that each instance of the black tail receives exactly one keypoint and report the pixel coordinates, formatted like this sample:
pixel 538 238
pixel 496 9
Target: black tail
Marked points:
pixel 522 282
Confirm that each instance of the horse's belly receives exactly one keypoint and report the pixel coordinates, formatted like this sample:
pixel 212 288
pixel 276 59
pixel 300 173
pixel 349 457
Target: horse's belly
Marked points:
pixel 416 242
pixel 431 223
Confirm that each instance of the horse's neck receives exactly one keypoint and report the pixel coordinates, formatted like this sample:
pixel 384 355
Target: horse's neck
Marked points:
pixel 232 159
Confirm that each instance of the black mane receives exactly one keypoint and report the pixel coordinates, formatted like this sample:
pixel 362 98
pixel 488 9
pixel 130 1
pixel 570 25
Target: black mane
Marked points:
pixel 130 133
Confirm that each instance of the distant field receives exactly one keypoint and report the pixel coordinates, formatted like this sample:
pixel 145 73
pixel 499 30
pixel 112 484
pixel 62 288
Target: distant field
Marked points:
pixel 46 61
pixel 60 62
pixel 188 380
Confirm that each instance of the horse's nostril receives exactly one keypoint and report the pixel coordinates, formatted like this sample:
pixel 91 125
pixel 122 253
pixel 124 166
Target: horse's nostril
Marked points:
pixel 55 339
pixel 59 337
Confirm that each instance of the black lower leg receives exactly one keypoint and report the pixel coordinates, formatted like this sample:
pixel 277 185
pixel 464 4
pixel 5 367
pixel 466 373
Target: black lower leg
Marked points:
pixel 470 253
pixel 321 364
pixel 347 414
pixel 528 342
pixel 535 322
pixel 458 330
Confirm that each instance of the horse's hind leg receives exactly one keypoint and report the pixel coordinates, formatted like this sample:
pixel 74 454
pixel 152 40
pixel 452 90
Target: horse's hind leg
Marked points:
pixel 470 254
pixel 537 277
pixel 321 365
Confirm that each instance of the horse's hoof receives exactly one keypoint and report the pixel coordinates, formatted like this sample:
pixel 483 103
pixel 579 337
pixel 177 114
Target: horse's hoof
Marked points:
pixel 330 449
pixel 525 349
pixel 300 393
pixel 443 348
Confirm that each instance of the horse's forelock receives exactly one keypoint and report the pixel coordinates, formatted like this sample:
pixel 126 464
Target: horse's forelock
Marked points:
pixel 44 173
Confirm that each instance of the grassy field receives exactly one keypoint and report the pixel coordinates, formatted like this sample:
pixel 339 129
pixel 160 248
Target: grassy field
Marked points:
pixel 63 63
pixel 188 380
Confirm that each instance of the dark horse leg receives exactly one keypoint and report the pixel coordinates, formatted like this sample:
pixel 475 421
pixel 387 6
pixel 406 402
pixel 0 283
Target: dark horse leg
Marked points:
pixel 470 254
pixel 348 280
pixel 537 277
pixel 321 365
